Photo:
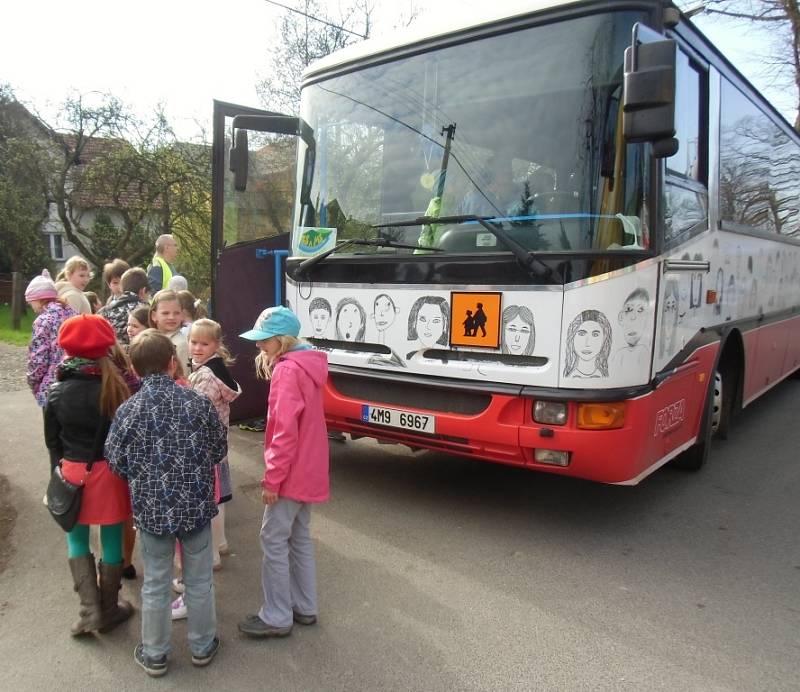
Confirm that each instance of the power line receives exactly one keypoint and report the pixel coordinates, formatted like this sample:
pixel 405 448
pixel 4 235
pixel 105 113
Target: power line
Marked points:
pixel 316 19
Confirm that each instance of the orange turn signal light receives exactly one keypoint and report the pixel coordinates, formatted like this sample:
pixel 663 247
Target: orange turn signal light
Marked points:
pixel 601 416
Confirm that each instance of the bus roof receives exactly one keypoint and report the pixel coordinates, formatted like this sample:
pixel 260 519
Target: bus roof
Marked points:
pixel 423 30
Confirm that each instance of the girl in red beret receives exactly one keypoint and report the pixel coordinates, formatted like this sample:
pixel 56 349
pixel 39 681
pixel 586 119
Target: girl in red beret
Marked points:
pixel 78 414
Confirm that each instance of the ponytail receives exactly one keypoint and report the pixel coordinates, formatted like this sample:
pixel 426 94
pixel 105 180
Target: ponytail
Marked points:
pixel 113 390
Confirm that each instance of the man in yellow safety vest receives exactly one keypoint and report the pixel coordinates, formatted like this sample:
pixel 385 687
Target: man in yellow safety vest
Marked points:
pixel 161 268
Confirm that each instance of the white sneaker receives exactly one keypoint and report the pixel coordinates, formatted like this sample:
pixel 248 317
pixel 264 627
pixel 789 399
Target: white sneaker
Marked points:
pixel 44 500
pixel 177 585
pixel 178 609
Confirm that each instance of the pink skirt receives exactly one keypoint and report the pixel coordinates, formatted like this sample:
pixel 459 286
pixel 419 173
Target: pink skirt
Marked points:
pixel 106 499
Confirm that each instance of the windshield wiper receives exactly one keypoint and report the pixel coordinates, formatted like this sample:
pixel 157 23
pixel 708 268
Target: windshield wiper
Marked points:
pixel 525 257
pixel 305 265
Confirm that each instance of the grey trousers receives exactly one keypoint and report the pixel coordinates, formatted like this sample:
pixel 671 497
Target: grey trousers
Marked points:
pixel 288 570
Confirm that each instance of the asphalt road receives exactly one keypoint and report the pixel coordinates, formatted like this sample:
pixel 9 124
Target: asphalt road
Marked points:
pixel 439 573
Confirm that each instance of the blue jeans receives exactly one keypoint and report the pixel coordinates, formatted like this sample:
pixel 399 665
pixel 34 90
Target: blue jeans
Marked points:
pixel 157 555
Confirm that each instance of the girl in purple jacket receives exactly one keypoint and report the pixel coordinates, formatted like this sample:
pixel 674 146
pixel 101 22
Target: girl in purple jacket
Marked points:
pixel 44 353
pixel 296 476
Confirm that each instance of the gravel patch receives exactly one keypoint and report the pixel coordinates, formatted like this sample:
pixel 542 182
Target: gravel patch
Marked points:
pixel 8 516
pixel 13 362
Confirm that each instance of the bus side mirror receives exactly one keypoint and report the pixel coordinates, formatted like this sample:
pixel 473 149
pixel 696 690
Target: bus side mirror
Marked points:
pixel 648 100
pixel 277 124
pixel 238 160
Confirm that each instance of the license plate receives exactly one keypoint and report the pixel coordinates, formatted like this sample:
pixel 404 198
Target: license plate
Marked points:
pixel 418 422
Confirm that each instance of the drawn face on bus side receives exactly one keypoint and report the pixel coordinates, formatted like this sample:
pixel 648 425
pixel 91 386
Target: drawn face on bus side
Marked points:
pixel 588 340
pixel 588 345
pixel 430 324
pixel 319 321
pixel 350 320
pixel 319 312
pixel 385 312
pixel 632 317
pixel 670 309
pixel 720 286
pixel 518 336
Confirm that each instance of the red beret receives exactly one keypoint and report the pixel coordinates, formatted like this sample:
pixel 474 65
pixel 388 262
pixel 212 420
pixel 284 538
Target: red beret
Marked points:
pixel 86 336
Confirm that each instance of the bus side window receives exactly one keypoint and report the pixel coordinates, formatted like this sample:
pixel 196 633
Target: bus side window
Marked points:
pixel 685 183
pixel 759 168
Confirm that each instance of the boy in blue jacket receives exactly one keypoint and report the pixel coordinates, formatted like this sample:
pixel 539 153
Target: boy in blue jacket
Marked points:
pixel 165 441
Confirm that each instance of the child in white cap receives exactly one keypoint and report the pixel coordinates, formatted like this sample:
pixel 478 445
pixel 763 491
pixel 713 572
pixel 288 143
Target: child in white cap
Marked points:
pixel 296 476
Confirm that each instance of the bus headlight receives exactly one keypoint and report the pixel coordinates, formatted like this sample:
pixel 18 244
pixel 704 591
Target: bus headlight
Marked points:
pixel 550 412
pixel 601 416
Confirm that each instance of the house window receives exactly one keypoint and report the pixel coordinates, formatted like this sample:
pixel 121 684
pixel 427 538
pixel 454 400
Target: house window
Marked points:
pixel 56 246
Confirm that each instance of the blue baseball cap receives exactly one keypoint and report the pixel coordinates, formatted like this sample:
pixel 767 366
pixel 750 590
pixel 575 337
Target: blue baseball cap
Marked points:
pixel 274 321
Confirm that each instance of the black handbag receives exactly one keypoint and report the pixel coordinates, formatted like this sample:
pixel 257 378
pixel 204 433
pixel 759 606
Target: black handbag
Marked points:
pixel 63 497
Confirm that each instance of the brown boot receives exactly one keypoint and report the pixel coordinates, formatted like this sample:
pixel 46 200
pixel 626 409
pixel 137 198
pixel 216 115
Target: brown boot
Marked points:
pixel 114 610
pixel 84 576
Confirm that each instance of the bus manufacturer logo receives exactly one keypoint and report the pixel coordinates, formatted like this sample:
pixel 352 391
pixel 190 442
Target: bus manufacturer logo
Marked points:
pixel 670 417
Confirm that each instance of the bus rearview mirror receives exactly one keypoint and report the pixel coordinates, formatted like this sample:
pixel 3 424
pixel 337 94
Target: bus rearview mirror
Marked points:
pixel 238 160
pixel 649 95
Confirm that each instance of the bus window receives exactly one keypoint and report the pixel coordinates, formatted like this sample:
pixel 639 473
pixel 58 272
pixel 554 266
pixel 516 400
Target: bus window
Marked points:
pixel 530 130
pixel 759 168
pixel 685 191
pixel 265 208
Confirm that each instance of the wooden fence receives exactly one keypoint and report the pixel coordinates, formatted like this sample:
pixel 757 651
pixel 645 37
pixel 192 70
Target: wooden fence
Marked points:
pixel 12 291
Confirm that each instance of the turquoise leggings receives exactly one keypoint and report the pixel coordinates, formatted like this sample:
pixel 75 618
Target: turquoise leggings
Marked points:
pixel 110 540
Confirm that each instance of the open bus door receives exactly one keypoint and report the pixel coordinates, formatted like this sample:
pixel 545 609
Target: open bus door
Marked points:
pixel 249 243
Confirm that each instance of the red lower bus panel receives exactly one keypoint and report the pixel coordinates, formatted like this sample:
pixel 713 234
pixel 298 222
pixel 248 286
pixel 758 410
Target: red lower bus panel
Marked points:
pixel 766 350
pixel 656 425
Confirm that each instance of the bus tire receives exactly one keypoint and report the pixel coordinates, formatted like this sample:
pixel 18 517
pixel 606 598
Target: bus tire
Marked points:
pixel 726 386
pixel 695 457
pixel 719 407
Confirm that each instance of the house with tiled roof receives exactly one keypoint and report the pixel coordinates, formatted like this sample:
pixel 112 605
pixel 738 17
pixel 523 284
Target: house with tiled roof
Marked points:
pixel 82 168
pixel 91 192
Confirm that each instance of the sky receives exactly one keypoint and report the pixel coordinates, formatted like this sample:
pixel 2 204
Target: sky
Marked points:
pixel 185 53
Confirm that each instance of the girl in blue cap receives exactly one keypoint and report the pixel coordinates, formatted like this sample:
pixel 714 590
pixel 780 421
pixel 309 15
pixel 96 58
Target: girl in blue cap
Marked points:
pixel 296 475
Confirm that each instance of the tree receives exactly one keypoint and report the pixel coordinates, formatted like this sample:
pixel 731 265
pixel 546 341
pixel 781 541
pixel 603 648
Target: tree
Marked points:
pixel 98 169
pixel 185 182
pixel 780 22
pixel 303 40
pixel 119 182
pixel 23 199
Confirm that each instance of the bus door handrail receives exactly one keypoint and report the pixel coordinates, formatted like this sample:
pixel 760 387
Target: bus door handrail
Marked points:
pixel 687 265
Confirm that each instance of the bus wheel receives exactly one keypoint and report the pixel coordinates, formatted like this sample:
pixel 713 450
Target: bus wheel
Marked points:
pixel 693 458
pixel 716 405
pixel 725 387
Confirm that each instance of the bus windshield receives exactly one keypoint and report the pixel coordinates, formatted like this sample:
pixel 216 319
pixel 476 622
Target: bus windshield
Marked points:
pixel 524 128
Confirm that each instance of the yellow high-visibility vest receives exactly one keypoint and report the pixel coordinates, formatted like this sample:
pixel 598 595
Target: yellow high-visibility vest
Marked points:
pixel 166 272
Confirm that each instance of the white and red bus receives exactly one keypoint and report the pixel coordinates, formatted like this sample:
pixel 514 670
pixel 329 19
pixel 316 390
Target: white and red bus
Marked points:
pixel 564 239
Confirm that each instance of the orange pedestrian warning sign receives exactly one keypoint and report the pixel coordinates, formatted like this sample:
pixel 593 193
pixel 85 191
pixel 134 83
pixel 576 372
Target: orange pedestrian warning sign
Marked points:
pixel 475 319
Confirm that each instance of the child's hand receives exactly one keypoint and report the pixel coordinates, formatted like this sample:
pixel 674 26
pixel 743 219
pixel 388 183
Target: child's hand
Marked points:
pixel 269 498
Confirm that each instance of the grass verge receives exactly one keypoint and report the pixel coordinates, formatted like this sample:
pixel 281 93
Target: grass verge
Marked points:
pixel 18 337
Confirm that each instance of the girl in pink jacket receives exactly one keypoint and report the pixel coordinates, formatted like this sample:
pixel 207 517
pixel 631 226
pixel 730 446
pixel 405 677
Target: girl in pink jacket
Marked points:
pixel 296 476
pixel 210 376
